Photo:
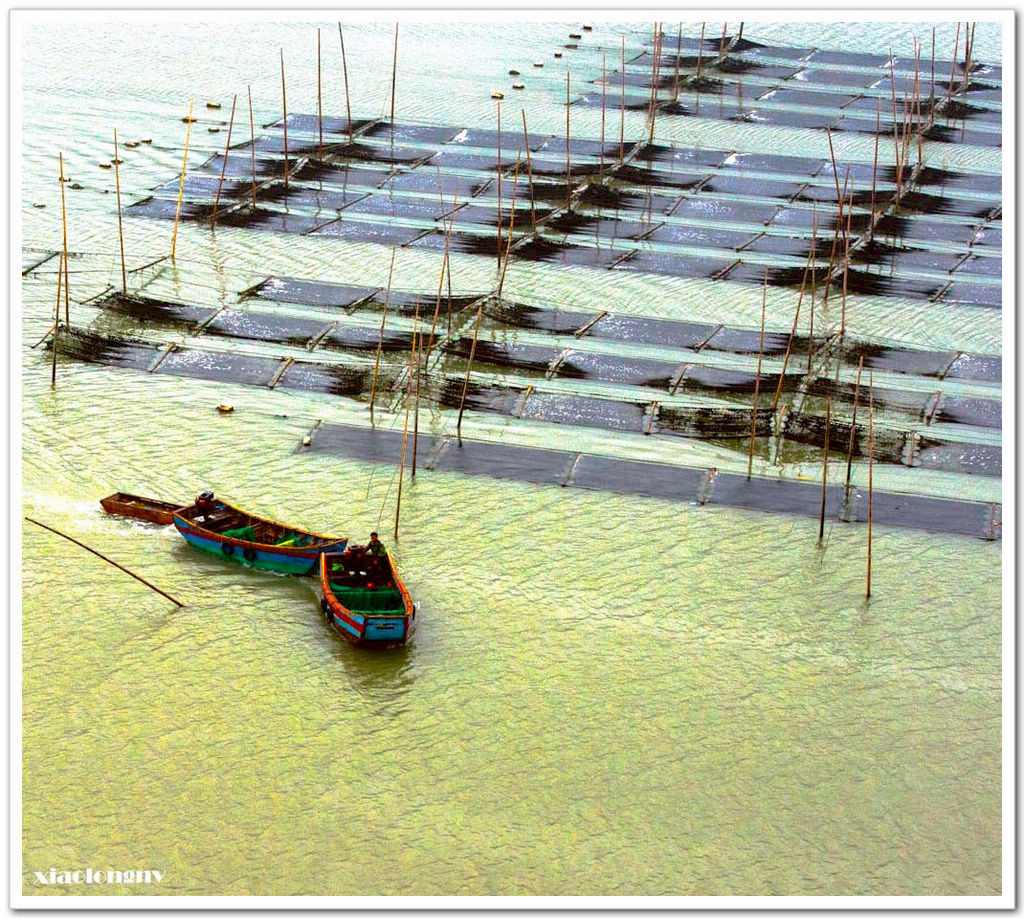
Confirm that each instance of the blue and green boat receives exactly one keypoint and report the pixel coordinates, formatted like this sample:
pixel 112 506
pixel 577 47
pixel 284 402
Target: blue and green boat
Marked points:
pixel 215 526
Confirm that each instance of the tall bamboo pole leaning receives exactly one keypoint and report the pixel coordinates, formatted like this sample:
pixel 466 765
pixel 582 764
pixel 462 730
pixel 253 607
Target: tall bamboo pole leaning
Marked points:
pixel 445 268
pixel 120 227
pixel 792 332
pixel 380 336
pixel 405 437
pixel 394 75
pixel 871 469
pixel 252 148
pixel 874 169
pixel 853 427
pixel 319 99
pixel 529 173
pixel 679 54
pixel 499 187
pixel 952 67
pixel 814 277
pixel 824 470
pixel 344 70
pixel 181 184
pixel 604 94
pixel 224 165
pixel 284 106
pixel 700 49
pixel 757 380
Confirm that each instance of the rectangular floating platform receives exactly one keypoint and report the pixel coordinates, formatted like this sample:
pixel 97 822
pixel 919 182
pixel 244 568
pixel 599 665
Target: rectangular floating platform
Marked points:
pixel 658 480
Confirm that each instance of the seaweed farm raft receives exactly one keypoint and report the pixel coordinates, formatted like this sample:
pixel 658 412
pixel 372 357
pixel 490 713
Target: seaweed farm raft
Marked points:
pixel 784 406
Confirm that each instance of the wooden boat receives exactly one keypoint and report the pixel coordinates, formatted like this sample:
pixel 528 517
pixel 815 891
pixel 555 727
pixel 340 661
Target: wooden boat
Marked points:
pixel 140 508
pixel 214 526
pixel 364 599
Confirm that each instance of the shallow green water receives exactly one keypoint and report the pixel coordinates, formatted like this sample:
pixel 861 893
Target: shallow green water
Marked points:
pixel 606 695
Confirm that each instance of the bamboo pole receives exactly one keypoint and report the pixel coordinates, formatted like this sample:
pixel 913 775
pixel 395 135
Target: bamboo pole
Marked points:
pixel 853 426
pixel 871 469
pixel 344 68
pixel 814 267
pixel 952 67
pixel 568 158
pixel 654 82
pixel 529 172
pixel 511 229
pixel 319 99
pixel 108 560
pixel 224 165
pixel 700 50
pixel 895 128
pixel 931 112
pixel 917 98
pixel 679 54
pixel 405 439
pixel 846 271
pixel 56 323
pixel 380 336
pixel 120 227
pixel 622 107
pixel 417 338
pixel 499 186
pixel 469 367
pixel 252 148
pixel 792 333
pixel 757 379
pixel 181 184
pixel 284 106
pixel 445 266
pixel 874 169
pixel 604 94
pixel 394 75
pixel 721 44
pixel 824 471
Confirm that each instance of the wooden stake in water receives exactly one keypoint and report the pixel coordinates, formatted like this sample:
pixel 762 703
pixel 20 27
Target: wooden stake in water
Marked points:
pixel 252 148
pixel 380 336
pixel 405 438
pixel 700 49
pixel 622 107
pixel 445 267
pixel 344 68
pixel 417 349
pixel 757 380
pixel 824 469
pixel 224 165
pixel 871 469
pixel 604 93
pixel 181 184
pixel 319 99
pixel 792 333
pixel 853 426
pixel 568 161
pixel 499 187
pixel 529 172
pixel 679 55
pixel 56 322
pixel 284 107
pixel 120 227
pixel 394 74
pixel 814 266
pixel 952 67
pixel 874 168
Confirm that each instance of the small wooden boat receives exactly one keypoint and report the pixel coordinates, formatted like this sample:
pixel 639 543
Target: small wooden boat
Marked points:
pixel 214 526
pixel 364 599
pixel 140 508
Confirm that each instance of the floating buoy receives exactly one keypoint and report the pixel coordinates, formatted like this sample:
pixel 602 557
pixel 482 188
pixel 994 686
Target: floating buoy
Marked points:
pixel 147 139
pixel 306 440
pixel 76 186
pixel 572 46
pixel 213 104
pixel 538 63
pixel 104 165
pixel 117 162
pixel 575 35
pixel 225 408
pixel 188 119
pixel 513 73
pixel 213 130
pixel 131 144
pixel 518 85
pixel 497 95
pixel 558 54
pixel 588 28
pixel 39 204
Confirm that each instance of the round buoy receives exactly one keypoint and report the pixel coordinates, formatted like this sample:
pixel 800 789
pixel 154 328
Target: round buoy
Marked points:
pixel 39 204
pixel 497 95
pixel 104 165
pixel 131 144
pixel 518 85
pixel 76 186
pixel 188 119
pixel 513 73
pixel 224 408
pixel 588 28
pixel 213 130
pixel 213 104
pixel 538 63
pixel 575 35
pixel 147 139
pixel 306 440
pixel 558 54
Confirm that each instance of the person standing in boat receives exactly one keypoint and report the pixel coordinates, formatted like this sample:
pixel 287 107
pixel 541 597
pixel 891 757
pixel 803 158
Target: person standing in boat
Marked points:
pixel 376 547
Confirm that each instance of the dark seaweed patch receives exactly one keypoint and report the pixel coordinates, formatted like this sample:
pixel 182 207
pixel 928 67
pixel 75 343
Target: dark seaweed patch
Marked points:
pixel 520 463
pixel 412 133
pixel 403 206
pixel 109 351
pixel 696 235
pixel 342 175
pixel 810 429
pixel 264 326
pixel 978 412
pixel 162 209
pixel 272 220
pixel 973 366
pixel 674 265
pixel 797 497
pixel 714 423
pixel 359 338
pixel 641 330
pixel 641 176
pixel 309 292
pixel 220 366
pixel 584 411
pixel 885 399
pixel 702 378
pixel 364 443
pixel 740 341
pixel 492 399
pixel 325 378
pixel 379 233
pixel 723 210
pixel 455 188
pixel 520 356
pixel 311 124
pixel 963 458
pixel 623 370
pixel 598 473
pixel 380 153
pixel 159 312
pixel 523 316
pixel 987 296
